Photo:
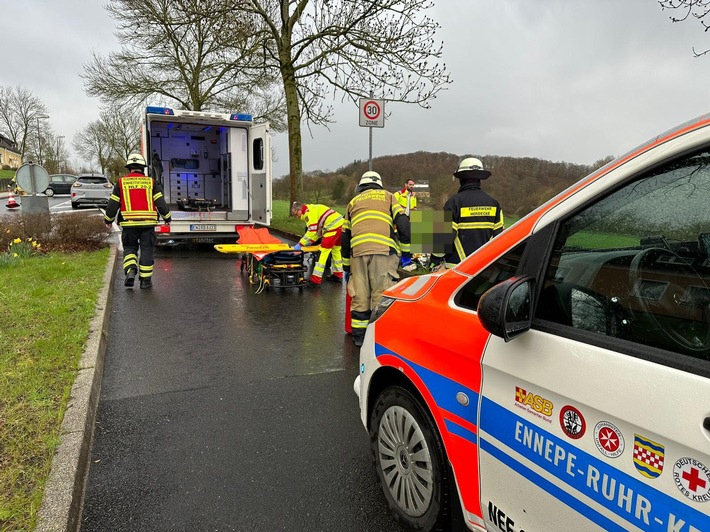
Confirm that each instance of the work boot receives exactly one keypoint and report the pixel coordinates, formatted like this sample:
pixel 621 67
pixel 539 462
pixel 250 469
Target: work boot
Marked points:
pixel 314 281
pixel 335 278
pixel 130 278
pixel 358 339
pixel 146 282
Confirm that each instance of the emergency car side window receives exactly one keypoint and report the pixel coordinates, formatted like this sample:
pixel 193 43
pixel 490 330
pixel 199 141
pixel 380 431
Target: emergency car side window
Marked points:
pixel 636 264
pixel 502 269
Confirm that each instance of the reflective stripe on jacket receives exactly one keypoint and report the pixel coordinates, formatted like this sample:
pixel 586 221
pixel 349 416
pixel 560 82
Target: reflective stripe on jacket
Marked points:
pixel 320 219
pixel 406 199
pixel 137 200
pixel 476 218
pixel 369 225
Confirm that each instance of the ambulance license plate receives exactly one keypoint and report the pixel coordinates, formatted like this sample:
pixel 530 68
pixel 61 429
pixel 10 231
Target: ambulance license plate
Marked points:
pixel 203 227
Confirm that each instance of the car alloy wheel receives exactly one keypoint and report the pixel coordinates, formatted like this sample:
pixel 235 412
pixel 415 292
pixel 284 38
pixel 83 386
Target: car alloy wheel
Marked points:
pixel 49 192
pixel 410 461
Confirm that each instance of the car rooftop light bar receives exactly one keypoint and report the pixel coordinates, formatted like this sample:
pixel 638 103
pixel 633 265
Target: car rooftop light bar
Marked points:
pixel 242 117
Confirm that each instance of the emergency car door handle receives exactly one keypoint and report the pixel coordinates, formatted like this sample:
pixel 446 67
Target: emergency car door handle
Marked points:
pixel 706 423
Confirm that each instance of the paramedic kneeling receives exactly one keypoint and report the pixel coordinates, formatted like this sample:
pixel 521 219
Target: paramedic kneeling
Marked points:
pixel 137 199
pixel 326 225
pixel 370 248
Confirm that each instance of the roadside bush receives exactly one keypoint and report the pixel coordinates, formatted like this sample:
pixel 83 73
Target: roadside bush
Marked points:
pixel 71 232
pixel 78 232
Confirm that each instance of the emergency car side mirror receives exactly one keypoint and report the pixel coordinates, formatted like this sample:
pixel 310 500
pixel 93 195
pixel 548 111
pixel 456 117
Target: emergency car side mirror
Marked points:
pixel 505 310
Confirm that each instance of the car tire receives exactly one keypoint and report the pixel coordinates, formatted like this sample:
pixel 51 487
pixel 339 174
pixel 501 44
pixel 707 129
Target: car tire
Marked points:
pixel 410 461
pixel 74 205
pixel 49 192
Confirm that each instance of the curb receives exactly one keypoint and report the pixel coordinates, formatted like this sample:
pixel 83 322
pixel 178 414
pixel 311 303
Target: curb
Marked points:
pixel 63 497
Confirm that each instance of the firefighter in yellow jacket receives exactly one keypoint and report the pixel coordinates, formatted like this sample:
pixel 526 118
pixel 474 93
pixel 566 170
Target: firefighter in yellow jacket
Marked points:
pixel 326 225
pixel 371 248
pixel 137 200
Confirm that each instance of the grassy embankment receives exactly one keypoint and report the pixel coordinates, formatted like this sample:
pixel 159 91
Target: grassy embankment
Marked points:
pixel 46 303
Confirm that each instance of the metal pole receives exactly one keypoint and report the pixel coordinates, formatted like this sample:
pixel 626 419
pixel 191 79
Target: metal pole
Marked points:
pixel 59 139
pixel 370 165
pixel 39 143
pixel 370 128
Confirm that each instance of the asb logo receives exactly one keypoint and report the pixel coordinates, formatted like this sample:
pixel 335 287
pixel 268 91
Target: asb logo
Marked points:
pixel 608 439
pixel 572 422
pixel 648 456
pixel 533 402
pixel 692 478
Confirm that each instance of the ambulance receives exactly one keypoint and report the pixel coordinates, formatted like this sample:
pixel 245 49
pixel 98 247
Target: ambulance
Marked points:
pixel 215 169
pixel 558 379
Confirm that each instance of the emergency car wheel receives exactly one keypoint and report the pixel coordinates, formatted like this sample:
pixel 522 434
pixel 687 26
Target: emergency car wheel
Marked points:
pixel 410 460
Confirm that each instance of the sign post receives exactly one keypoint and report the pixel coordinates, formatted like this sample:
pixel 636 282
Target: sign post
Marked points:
pixel 372 114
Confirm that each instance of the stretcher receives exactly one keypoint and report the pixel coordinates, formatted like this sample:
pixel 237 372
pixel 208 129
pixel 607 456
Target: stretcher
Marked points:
pixel 270 262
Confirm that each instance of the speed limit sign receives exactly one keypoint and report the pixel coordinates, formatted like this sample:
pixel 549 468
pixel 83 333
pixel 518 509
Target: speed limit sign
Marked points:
pixel 372 113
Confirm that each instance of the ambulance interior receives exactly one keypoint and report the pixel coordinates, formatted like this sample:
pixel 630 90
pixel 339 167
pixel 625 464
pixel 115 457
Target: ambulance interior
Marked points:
pixel 193 162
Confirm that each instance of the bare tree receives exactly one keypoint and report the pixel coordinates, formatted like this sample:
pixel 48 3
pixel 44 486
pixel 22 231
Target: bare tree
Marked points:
pixel 93 143
pixel 690 9
pixel 20 112
pixel 192 53
pixel 122 129
pixel 359 48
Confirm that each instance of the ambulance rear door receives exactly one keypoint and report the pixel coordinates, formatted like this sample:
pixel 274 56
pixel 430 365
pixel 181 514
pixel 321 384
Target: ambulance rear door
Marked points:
pixel 260 173
pixel 598 417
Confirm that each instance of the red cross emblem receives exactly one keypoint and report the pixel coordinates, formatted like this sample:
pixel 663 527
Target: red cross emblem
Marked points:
pixel 692 478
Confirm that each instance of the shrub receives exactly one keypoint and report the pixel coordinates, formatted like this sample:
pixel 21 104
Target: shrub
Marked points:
pixel 78 232
pixel 69 232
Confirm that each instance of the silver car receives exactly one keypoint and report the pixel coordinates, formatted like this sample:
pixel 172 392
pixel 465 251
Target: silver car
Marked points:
pixel 90 189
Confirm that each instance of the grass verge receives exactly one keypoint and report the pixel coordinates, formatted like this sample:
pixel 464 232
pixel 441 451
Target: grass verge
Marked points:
pixel 46 304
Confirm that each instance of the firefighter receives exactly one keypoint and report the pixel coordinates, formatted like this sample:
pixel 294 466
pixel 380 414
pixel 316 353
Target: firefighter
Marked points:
pixel 137 200
pixel 326 225
pixel 371 247
pixel 408 201
pixel 476 216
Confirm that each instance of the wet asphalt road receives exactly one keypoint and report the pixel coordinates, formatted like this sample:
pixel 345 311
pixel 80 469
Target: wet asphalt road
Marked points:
pixel 222 409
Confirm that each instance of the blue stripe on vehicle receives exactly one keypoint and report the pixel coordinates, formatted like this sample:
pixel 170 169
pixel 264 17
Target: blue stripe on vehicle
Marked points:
pixel 626 496
pixel 458 430
pixel 443 389
pixel 550 488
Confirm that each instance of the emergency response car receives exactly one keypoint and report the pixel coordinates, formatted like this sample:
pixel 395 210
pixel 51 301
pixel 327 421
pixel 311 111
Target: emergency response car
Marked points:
pixel 559 377
pixel 215 170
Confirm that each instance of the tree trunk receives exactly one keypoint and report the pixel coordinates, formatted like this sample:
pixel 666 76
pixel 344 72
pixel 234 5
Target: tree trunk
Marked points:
pixel 295 154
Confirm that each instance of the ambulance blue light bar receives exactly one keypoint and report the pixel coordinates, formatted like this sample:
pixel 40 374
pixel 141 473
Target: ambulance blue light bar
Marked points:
pixel 159 110
pixel 242 117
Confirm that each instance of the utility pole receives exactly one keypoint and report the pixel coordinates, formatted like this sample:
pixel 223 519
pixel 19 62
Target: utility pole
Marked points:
pixel 57 157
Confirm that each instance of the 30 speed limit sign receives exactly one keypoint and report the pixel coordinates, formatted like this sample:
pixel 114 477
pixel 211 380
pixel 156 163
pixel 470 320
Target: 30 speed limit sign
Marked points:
pixel 372 113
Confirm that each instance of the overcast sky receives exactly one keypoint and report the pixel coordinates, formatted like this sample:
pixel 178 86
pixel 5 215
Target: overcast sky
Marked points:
pixel 564 80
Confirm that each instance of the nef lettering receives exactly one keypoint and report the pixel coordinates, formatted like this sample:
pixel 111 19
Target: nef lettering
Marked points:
pixel 544 447
pixel 625 498
pixel 499 519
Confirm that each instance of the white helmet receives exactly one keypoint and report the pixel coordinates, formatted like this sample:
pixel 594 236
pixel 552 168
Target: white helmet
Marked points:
pixel 471 168
pixel 135 159
pixel 370 177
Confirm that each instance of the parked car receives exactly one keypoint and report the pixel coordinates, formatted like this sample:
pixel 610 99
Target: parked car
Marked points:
pixel 59 184
pixel 559 377
pixel 90 189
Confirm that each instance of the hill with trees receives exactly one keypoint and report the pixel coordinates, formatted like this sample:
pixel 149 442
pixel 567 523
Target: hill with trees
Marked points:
pixel 520 184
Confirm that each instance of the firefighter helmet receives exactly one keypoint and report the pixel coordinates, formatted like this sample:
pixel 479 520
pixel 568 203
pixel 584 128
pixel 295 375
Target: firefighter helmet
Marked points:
pixel 370 177
pixel 471 168
pixel 135 160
